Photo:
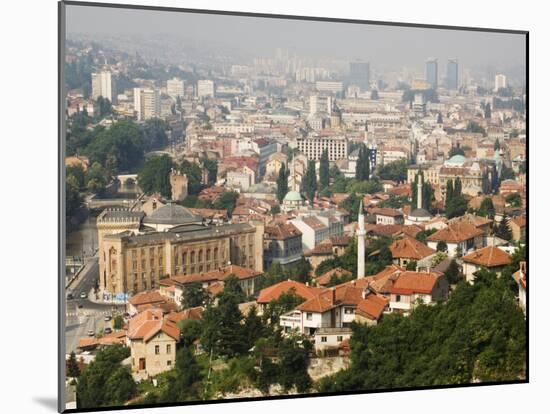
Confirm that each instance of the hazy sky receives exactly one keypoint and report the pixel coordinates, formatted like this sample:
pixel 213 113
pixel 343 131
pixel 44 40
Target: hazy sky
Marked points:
pixel 381 45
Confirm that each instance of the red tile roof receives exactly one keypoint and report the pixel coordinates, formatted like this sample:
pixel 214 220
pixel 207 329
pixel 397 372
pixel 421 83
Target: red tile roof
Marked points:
pixel 274 292
pixel 325 277
pixel 410 248
pixel 147 298
pixel 372 306
pixel 345 294
pixel 147 324
pixel 191 313
pixel 456 232
pixel 217 275
pixel 408 283
pixel 281 231
pixel 489 256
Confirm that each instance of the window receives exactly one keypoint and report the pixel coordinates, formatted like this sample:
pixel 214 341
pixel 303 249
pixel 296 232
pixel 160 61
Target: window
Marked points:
pixel 200 256
pixel 309 316
pixel 169 363
pixel 168 348
pixel 157 349
pixel 339 338
pixel 208 255
pixel 398 298
pixel 323 339
pixel 349 311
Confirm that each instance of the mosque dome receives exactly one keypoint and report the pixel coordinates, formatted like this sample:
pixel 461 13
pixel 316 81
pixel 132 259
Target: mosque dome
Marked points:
pixel 293 196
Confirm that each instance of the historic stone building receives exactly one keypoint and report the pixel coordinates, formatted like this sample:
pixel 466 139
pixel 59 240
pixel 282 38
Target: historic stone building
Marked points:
pixel 178 183
pixel 134 256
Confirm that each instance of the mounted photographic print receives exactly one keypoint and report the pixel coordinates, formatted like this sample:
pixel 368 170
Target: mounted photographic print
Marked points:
pixel 262 206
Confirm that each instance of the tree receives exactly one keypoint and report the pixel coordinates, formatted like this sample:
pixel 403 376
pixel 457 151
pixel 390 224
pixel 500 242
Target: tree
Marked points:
pixel 453 272
pixel 514 200
pixel 223 332
pixel 310 181
pixel 120 386
pixel 183 381
pixel 282 183
pixel 190 331
pixel 96 178
pixel 253 327
pixel 324 171
pixel 194 176
pixel 72 195
pixel 283 304
pixel 486 208
pixel 441 246
pixel 92 390
pixel 212 168
pixel 362 166
pixel 456 151
pixel 104 107
pixel 502 229
pixel 496 147
pixel 395 171
pixel 227 201
pixel 293 363
pixel 155 175
pixel 118 322
pixel 476 128
pixel 73 371
pixel 154 134
pixel 411 266
pixel 193 295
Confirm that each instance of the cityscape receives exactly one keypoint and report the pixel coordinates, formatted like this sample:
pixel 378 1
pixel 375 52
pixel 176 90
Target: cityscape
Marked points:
pixel 261 207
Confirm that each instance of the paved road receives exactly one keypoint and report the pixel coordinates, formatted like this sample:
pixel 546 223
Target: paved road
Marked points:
pixel 82 315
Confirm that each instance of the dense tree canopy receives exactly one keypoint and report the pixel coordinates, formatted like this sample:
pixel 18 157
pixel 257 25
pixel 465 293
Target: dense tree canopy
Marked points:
pixel 478 335
pixel 155 175
pixel 154 134
pixel 395 171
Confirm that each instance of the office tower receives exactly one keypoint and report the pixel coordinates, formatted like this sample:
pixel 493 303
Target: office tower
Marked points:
pixel 205 88
pixel 175 87
pixel 431 73
pixel 146 103
pixel 452 74
pixel 359 74
pixel 103 84
pixel 500 82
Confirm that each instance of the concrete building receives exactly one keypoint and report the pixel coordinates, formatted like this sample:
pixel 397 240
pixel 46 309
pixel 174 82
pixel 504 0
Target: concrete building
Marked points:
pixel 359 75
pixel 205 88
pixel 146 103
pixel 179 185
pixel 282 245
pixel 452 74
pixel 175 87
pixel 431 73
pixel 103 84
pixel 312 147
pixel 500 82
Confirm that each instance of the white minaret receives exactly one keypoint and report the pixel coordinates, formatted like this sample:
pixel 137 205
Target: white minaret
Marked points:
pixel 419 192
pixel 361 243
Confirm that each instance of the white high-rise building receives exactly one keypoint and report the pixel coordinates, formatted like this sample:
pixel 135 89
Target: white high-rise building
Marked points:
pixel 146 103
pixel 175 87
pixel 500 82
pixel 361 233
pixel 103 85
pixel 205 88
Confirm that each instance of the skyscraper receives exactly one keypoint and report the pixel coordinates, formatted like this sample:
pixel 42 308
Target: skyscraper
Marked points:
pixel 103 84
pixel 175 87
pixel 359 74
pixel 452 74
pixel 500 82
pixel 146 103
pixel 431 73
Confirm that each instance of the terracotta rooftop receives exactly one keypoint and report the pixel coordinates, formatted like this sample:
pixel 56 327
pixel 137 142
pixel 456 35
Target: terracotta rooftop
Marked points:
pixel 281 231
pixel 147 324
pixel 325 277
pixel 410 248
pixel 345 294
pixel 489 256
pixel 274 292
pixel 191 313
pixel 456 232
pixel 520 221
pixel 147 298
pixel 408 283
pixel 390 212
pixel 372 306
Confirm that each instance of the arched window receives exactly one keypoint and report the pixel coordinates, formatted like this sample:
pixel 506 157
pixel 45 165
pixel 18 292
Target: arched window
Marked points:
pixel 200 256
pixel 215 253
pixel 184 260
pixel 208 255
pixel 192 257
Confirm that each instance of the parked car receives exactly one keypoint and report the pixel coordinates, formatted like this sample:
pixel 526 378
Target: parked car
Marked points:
pixel 107 318
pixel 107 330
pixel 83 295
pixel 91 332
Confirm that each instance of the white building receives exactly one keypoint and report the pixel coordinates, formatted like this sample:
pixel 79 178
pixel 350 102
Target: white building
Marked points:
pixel 205 88
pixel 103 85
pixel 146 103
pixel 329 86
pixel 313 147
pixel 175 87
pixel 500 82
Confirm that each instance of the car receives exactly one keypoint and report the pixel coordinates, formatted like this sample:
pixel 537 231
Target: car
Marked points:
pixel 70 296
pixel 83 295
pixel 107 318
pixel 91 332
pixel 107 330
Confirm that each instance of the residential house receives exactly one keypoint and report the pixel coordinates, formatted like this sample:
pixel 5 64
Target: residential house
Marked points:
pixel 271 293
pixel 411 288
pixel 387 215
pixel 459 236
pixel 409 249
pixel 517 226
pixel 491 257
pixel 149 300
pixel 326 277
pixel 152 341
